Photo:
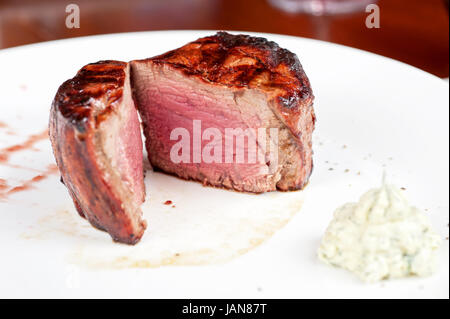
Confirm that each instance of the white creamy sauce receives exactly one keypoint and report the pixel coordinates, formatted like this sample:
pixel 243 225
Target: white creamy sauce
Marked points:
pixel 381 237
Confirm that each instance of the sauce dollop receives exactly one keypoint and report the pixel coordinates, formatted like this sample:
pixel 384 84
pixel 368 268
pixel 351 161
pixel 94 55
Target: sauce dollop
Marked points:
pixel 380 237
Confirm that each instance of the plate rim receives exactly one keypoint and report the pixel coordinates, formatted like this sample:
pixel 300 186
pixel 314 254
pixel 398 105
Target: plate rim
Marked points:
pixel 267 35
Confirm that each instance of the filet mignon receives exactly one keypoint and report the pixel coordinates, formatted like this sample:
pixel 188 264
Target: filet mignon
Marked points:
pixel 96 139
pixel 222 83
pixel 228 81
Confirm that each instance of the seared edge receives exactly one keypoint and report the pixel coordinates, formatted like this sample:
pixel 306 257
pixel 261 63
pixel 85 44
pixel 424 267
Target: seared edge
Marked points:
pixel 80 105
pixel 253 62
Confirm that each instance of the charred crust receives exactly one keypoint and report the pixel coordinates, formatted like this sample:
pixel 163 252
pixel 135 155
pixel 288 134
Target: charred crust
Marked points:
pixel 209 58
pixel 275 54
pixel 100 80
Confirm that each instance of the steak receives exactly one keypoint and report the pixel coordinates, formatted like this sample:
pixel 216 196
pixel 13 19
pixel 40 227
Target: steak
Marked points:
pixel 96 139
pixel 228 82
pixel 206 109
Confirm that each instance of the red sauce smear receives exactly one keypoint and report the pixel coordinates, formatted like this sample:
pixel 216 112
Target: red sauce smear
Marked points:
pixel 168 202
pixel 26 185
pixel 32 139
pixel 21 167
pixel 3 184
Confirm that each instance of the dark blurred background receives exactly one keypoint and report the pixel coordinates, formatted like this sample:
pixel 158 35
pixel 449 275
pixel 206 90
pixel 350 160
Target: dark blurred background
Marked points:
pixel 412 31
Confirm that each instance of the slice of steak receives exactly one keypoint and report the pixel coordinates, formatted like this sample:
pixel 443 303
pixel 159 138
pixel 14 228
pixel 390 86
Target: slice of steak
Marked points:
pixel 228 82
pixel 96 139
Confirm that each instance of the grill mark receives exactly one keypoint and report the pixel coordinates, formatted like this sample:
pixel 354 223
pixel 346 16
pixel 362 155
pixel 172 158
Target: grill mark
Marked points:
pixel 100 80
pixel 206 58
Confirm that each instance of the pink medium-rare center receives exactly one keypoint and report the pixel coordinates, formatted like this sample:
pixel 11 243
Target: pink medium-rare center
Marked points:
pixel 169 101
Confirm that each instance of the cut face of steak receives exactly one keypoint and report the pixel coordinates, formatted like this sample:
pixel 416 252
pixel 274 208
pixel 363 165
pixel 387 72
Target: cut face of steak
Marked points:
pixel 228 82
pixel 96 140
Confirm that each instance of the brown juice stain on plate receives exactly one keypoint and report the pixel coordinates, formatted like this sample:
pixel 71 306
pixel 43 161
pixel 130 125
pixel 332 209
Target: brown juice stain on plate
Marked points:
pixel 60 222
pixel 6 152
pixel 187 257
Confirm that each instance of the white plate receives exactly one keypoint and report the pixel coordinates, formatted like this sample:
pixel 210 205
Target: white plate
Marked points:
pixel 390 116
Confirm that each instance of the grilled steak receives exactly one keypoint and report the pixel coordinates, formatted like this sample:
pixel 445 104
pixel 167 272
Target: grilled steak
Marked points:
pixel 200 93
pixel 96 139
pixel 228 82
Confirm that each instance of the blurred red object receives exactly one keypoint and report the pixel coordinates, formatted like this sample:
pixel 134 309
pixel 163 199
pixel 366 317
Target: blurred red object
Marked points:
pixel 412 31
pixel 322 7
